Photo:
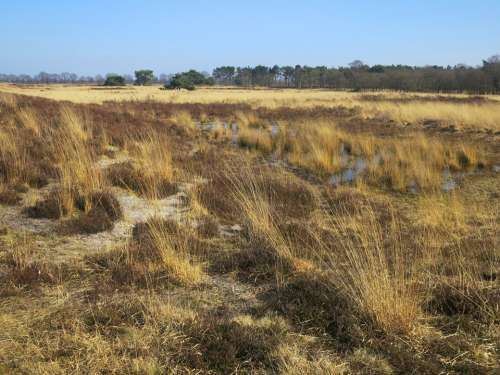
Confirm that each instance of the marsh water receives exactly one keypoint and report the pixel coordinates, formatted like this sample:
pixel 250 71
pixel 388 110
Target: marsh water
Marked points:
pixel 352 167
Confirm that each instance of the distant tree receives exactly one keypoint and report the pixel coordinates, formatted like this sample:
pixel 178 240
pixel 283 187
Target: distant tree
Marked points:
pixel 495 59
pixel 144 77
pixel 209 81
pixel 43 77
pixel 224 75
pixel 114 80
pixel 86 79
pixel 357 76
pixel 357 64
pixel 298 74
pixel 189 80
pixel 195 77
pixel 260 75
pixel 288 74
pixel 491 67
pixel 376 69
pixel 243 76
pixel 180 81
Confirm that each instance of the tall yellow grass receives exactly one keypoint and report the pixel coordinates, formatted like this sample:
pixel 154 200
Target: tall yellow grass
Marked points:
pixel 256 206
pixel 79 175
pixel 151 153
pixel 255 138
pixel 373 269
pixel 183 118
pixel 174 251
pixel 13 157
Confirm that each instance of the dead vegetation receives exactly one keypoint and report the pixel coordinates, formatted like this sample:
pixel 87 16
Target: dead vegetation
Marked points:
pixel 259 265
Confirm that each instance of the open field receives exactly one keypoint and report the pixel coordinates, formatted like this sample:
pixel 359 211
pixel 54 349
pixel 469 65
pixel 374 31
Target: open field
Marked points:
pixel 248 231
pixel 473 111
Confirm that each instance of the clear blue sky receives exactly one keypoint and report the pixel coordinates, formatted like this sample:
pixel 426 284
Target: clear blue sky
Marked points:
pixel 100 36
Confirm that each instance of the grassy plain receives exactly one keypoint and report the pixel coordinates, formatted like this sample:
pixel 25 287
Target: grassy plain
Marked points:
pixel 144 231
pixel 483 112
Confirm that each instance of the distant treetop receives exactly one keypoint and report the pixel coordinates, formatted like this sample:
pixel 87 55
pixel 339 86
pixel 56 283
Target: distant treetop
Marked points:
pixel 188 80
pixel 144 77
pixel 114 80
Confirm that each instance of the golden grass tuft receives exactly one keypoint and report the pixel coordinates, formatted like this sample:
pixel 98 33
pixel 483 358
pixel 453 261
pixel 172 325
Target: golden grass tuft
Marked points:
pixel 374 271
pixel 152 165
pixel 256 205
pixel 14 161
pixel 255 139
pixel 79 175
pixel 316 147
pixel 183 119
pixel 247 119
pixel 30 120
pixel 174 252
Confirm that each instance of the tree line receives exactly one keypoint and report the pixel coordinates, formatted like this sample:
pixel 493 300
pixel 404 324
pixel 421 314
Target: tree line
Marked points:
pixel 72 78
pixel 356 76
pixel 360 76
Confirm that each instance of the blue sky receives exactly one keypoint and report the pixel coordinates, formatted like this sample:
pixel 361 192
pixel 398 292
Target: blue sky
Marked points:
pixel 91 36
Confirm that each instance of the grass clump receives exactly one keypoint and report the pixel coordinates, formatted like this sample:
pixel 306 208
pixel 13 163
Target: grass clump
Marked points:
pixel 183 119
pixel 78 174
pixel 9 196
pixel 50 208
pixel 161 251
pixel 94 213
pixel 255 139
pixel 105 211
pixel 375 276
pixel 151 173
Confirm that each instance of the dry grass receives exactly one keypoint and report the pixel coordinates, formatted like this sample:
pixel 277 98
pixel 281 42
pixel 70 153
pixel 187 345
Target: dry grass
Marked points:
pixel 184 119
pixel 154 161
pixel 374 275
pixel 13 158
pixel 264 267
pixel 30 120
pixel 316 147
pixel 76 162
pixel 255 139
pixel 484 115
pixel 150 172
pixel 373 269
pixel 463 115
pixel 173 248
pixel 415 162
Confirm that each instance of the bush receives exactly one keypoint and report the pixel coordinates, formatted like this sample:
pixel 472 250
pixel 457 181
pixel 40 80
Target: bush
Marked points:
pixel 114 80
pixel 188 80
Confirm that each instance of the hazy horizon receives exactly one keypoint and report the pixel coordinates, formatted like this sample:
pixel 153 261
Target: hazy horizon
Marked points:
pixel 89 38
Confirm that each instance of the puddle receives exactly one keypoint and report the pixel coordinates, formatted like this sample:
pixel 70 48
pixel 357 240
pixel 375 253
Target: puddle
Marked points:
pixel 234 133
pixel 449 182
pixel 234 129
pixel 274 130
pixel 412 187
pixel 352 168
pixel 350 174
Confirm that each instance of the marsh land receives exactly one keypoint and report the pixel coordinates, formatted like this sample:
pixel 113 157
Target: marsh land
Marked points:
pixel 230 230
